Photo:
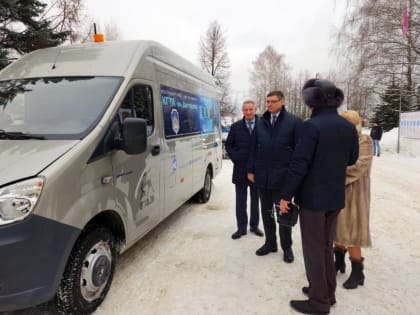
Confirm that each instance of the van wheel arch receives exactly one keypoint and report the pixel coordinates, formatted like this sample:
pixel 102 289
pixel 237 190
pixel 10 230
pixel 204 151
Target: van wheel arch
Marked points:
pixel 111 220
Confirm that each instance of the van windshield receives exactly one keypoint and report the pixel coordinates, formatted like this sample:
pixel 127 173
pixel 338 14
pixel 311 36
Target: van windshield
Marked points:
pixel 55 108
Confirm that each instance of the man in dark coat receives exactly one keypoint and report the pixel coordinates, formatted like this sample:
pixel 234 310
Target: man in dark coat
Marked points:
pixel 272 147
pixel 237 146
pixel 316 179
pixel 376 135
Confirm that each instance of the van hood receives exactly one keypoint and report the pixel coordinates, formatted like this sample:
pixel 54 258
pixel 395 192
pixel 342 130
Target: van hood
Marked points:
pixel 27 158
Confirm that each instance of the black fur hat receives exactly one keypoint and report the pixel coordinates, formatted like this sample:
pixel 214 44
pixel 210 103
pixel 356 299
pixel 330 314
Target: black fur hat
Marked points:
pixel 321 93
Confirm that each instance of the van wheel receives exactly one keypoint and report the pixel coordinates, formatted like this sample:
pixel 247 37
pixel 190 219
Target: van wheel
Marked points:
pixel 88 274
pixel 224 152
pixel 204 194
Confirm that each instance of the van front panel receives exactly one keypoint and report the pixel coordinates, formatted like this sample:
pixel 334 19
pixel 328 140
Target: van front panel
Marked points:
pixel 33 255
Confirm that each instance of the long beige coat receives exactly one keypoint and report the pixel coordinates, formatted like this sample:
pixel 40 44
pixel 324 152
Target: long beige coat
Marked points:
pixel 353 220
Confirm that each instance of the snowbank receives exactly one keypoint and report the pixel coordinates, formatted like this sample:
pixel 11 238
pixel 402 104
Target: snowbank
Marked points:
pixel 389 143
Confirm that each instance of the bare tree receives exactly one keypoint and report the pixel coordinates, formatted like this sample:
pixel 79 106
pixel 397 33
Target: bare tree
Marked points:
pixel 269 72
pixel 371 38
pixel 71 16
pixel 112 31
pixel 85 31
pixel 66 16
pixel 214 59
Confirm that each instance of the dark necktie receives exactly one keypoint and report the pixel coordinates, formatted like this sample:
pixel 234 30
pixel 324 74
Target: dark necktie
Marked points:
pixel 273 120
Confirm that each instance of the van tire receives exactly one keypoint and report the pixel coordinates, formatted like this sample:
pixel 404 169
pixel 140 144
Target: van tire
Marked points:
pixel 204 194
pixel 224 152
pixel 92 262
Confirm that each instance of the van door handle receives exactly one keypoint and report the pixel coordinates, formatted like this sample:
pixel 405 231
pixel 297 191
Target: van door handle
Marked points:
pixel 155 150
pixel 106 179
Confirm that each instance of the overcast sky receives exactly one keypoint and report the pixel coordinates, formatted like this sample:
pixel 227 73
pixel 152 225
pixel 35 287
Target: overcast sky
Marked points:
pixel 301 30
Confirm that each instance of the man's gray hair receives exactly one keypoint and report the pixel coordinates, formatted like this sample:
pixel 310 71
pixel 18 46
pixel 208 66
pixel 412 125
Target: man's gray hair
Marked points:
pixel 248 102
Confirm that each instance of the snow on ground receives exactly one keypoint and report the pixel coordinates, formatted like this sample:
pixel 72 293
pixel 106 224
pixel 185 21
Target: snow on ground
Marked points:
pixel 190 265
pixel 389 143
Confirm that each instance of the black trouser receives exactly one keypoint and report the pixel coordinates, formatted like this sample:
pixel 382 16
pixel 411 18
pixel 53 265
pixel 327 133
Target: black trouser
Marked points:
pixel 268 197
pixel 241 205
pixel 318 232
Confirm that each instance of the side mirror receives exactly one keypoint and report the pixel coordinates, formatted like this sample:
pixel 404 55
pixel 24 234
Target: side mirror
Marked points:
pixel 134 134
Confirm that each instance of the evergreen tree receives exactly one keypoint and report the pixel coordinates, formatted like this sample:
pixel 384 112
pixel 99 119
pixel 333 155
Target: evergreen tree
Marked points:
pixel 21 30
pixel 386 113
pixel 3 58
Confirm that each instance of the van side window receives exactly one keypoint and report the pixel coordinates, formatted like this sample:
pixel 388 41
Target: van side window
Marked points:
pixel 138 103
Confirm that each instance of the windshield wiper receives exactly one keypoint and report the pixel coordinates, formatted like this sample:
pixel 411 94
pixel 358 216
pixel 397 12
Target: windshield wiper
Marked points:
pixel 13 135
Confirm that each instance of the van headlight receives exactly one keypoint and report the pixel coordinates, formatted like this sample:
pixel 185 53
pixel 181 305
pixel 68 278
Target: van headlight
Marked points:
pixel 18 200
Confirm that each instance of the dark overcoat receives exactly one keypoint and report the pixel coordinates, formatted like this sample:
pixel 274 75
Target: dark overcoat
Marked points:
pixel 317 173
pixel 238 145
pixel 272 148
pixel 376 132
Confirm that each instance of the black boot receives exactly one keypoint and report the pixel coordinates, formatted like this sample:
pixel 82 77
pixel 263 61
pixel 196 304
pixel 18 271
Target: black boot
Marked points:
pixel 340 264
pixel 356 277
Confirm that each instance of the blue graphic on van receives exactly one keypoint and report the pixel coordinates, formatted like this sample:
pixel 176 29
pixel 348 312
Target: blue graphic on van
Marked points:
pixel 175 120
pixel 174 165
pixel 187 114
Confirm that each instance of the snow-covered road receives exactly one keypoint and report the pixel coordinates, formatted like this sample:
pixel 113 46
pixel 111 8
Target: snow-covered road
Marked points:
pixel 190 265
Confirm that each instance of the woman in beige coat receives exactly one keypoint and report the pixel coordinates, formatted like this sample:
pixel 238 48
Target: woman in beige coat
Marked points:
pixel 353 221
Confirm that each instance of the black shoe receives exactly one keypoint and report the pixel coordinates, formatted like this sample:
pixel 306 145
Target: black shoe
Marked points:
pixel 257 231
pixel 305 290
pixel 305 308
pixel 288 255
pixel 266 249
pixel 238 234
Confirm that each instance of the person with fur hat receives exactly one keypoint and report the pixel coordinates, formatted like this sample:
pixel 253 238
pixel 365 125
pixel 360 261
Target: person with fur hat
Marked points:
pixel 316 177
pixel 353 221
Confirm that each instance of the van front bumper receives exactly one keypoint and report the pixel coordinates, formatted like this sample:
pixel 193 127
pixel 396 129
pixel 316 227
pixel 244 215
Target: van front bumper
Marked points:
pixel 33 255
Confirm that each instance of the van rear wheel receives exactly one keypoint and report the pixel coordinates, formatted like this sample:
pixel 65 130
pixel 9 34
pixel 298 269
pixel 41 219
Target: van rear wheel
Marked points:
pixel 89 272
pixel 204 194
pixel 224 152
